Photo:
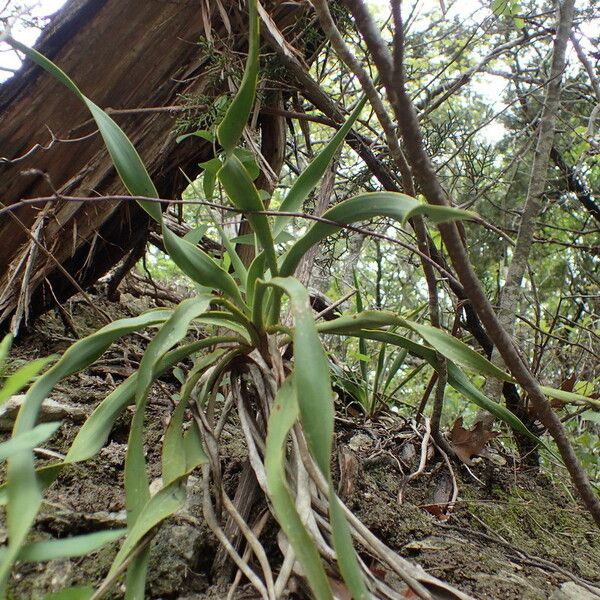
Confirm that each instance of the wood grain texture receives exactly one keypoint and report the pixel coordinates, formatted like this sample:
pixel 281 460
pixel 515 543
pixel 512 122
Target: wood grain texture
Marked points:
pixel 139 53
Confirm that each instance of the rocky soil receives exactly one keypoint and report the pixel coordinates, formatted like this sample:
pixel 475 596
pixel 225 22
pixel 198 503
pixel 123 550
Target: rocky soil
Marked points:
pixel 513 533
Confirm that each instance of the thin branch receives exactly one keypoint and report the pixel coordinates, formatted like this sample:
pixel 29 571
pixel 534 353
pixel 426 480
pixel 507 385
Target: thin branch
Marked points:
pixel 392 75
pixel 299 215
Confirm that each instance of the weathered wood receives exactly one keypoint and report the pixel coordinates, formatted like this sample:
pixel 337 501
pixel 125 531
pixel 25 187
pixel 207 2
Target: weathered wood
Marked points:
pixel 139 53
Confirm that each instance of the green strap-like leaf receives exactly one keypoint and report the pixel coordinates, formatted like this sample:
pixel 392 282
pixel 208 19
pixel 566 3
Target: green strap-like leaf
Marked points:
pixel 306 182
pixel 362 344
pixel 570 397
pixel 312 380
pixel 314 396
pixel 238 266
pixel 224 318
pixel 70 547
pixel 174 457
pixel 256 271
pixel 24 493
pixel 27 440
pixel 162 505
pixel 173 331
pixel 444 343
pixel 367 319
pixel 189 258
pixel 209 177
pixel 284 413
pixel 5 345
pixel 127 161
pixel 73 593
pixel 458 351
pixel 367 206
pixel 456 378
pixel 394 368
pixel 200 267
pixel 22 376
pixel 346 555
pixel 231 127
pixel 243 194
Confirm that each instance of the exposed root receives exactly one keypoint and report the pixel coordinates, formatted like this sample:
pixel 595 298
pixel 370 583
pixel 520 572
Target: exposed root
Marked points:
pixel 253 387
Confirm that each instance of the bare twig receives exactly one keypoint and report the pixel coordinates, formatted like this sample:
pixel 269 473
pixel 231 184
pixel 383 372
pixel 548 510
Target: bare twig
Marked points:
pixel 431 187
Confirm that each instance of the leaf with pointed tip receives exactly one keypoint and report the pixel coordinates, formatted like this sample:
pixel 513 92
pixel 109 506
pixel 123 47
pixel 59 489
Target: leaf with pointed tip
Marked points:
pixel 243 194
pixel 306 182
pixel 160 506
pixel 231 127
pixel 367 206
pixel 313 394
pixel 209 136
pixel 209 177
pixel 69 547
pixel 175 460
pixel 5 345
pixel 456 378
pixel 200 267
pixel 72 593
pixel 22 376
pixel 195 235
pixel 458 351
pixel 570 397
pixel 24 493
pixel 127 161
pixel 137 491
pixel 311 374
pixel 284 413
pixel 394 368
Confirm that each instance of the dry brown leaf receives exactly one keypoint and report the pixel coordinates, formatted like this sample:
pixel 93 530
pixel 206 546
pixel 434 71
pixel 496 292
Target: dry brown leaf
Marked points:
pixel 440 507
pixel 568 384
pixel 339 589
pixel 468 443
pixel 438 511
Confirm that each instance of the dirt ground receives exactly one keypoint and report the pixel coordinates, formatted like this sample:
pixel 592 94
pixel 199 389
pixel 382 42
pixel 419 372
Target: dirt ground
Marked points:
pixel 513 533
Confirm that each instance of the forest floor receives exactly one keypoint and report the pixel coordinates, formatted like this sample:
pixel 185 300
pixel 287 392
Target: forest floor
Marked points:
pixel 513 533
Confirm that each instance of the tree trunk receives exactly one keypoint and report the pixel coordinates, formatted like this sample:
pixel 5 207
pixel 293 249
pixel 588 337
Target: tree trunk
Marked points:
pixel 126 55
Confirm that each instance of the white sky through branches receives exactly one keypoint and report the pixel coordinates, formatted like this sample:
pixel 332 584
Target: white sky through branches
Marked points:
pixel 489 87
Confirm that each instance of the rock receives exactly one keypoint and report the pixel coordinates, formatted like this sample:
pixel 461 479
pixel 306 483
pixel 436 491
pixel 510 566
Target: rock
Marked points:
pixel 360 441
pixel 114 455
pixel 571 591
pixel 51 410
pixel 183 548
pixel 172 561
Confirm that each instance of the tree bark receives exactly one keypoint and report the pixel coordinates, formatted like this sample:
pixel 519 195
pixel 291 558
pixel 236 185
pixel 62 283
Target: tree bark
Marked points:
pixel 126 55
pixel 393 76
pixel 511 292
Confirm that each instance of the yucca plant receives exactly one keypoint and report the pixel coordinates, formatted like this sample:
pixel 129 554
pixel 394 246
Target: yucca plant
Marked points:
pixel 285 406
